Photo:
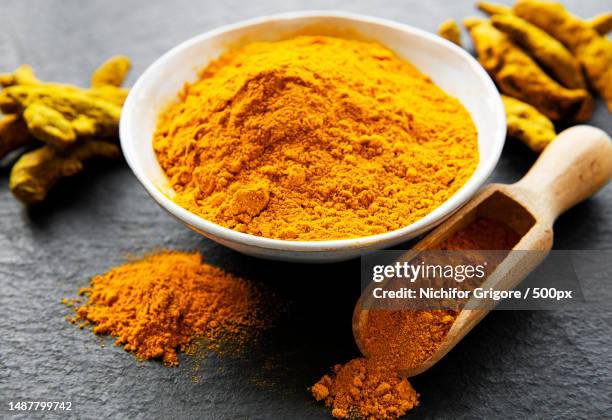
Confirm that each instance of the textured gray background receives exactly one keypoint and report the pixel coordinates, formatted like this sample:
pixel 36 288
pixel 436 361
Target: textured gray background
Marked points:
pixel 513 365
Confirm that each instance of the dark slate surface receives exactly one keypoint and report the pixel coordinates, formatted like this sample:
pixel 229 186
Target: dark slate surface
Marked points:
pixel 513 365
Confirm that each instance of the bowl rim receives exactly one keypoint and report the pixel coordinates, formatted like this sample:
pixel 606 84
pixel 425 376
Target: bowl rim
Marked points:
pixel 457 200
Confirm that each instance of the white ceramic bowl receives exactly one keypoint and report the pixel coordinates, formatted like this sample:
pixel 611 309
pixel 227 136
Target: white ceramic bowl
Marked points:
pixel 449 66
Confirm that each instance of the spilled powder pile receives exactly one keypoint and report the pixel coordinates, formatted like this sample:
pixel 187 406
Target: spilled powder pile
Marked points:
pixel 314 138
pixel 366 388
pixel 166 300
pixel 400 339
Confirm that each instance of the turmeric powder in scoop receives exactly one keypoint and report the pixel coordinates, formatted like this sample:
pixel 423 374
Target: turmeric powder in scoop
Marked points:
pixel 371 387
pixel 314 138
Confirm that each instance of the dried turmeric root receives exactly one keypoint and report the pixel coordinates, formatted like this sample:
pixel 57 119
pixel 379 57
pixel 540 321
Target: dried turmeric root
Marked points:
pixel 546 50
pixel 37 171
pixel 58 114
pixel 493 8
pixel 24 75
pixel 112 72
pixel 73 123
pixel 593 51
pixel 517 75
pixel 527 124
pixel 14 134
pixel 106 81
pixel 450 30
pixel 49 125
pixel 602 23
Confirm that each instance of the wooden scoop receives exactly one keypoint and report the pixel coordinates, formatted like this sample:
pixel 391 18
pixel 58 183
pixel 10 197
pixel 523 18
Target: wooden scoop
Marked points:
pixel 572 168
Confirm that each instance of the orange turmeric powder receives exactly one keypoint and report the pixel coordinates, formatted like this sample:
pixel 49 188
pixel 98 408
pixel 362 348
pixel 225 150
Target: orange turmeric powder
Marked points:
pixel 363 388
pixel 165 301
pixel 314 138
pixel 393 340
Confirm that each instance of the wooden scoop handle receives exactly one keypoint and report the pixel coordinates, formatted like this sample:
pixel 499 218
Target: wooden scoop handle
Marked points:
pixel 572 168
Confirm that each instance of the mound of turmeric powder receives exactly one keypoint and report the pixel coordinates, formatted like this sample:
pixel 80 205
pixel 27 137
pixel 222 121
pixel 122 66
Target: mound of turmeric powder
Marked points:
pixel 314 138
pixel 166 300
